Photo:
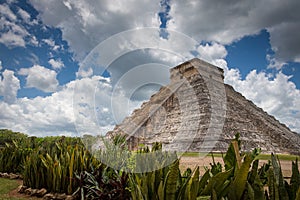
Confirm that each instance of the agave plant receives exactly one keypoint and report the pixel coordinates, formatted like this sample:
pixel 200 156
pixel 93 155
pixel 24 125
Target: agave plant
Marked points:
pixel 102 183
pixel 55 167
pixel 13 155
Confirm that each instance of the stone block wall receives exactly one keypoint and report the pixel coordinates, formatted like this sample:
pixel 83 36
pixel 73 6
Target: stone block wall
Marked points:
pixel 198 112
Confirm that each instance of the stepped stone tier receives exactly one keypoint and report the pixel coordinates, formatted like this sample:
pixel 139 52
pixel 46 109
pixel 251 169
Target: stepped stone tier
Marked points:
pixel 197 112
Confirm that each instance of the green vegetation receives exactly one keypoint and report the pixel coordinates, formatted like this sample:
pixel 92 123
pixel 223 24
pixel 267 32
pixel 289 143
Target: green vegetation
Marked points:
pixel 201 154
pixel 7 136
pixel 53 168
pixel 64 165
pixel 239 178
pixel 280 157
pixel 6 186
pixel 47 162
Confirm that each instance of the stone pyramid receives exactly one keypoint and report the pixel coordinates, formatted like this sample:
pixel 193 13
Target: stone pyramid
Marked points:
pixel 197 112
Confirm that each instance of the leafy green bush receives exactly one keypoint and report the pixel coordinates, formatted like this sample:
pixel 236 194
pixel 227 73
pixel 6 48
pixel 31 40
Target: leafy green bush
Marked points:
pixel 55 168
pixel 7 136
pixel 12 157
pixel 240 178
pixel 63 164
pixel 102 183
pixel 49 162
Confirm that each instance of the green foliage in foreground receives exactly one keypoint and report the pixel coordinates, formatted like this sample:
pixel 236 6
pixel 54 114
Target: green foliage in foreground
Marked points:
pixel 49 162
pixel 64 165
pixel 7 136
pixel 240 178
pixel 54 168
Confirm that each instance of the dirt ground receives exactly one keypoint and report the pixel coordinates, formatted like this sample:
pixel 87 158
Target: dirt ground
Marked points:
pixel 193 162
pixel 14 193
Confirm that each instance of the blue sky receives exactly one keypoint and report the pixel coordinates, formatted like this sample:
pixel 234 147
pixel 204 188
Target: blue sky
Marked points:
pixel 46 50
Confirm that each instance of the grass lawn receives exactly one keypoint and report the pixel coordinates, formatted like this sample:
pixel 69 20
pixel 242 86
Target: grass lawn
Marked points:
pixel 200 154
pixel 6 186
pixel 280 156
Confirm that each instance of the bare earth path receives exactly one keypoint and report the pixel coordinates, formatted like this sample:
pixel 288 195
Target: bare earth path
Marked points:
pixel 194 161
pixel 14 193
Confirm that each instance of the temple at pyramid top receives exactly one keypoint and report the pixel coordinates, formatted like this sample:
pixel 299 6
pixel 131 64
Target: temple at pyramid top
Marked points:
pixel 195 66
pixel 198 112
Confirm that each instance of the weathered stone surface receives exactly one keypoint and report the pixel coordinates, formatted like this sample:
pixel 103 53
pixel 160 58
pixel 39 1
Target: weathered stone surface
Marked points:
pixel 41 192
pixel 48 196
pixel 28 191
pixel 60 196
pixel 198 112
pixel 13 176
pixel 5 175
pixel 69 197
pixel 56 196
pixel 21 188
pixel 34 192
pixel 10 175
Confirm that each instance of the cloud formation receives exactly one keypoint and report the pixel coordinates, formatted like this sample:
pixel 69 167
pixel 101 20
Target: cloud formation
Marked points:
pixel 40 77
pixel 40 116
pixel 82 106
pixel 9 86
pixel 86 23
pixel 276 95
pixel 228 21
pixel 56 64
pixel 88 105
pixel 51 43
pixel 13 33
pixel 210 25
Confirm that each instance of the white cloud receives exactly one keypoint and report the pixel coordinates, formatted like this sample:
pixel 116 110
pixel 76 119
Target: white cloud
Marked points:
pixel 274 63
pixel 33 40
pixel 11 39
pixel 13 33
pixel 82 106
pixel 1 65
pixel 25 15
pixel 9 86
pixel 56 64
pixel 87 103
pixel 87 72
pixel 6 11
pixel 40 116
pixel 84 26
pixel 40 77
pixel 52 44
pixel 278 96
pixel 90 22
pixel 228 21
pixel 212 52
